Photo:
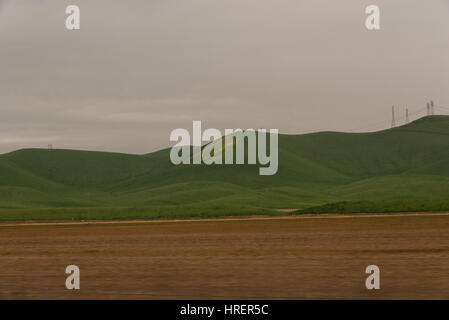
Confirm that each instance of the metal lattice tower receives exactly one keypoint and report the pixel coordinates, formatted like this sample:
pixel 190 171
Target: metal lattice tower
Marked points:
pixel 406 116
pixel 393 120
pixel 432 107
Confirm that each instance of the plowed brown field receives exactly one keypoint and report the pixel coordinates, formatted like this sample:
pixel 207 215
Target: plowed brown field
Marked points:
pixel 287 258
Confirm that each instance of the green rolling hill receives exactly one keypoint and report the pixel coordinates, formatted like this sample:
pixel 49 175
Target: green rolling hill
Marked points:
pixel 405 168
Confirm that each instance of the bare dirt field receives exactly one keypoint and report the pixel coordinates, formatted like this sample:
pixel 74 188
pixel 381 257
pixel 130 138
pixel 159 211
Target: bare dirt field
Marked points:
pixel 265 258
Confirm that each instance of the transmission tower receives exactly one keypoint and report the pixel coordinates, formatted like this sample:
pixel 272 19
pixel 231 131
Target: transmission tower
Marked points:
pixel 428 109
pixel 406 116
pixel 393 121
pixel 432 107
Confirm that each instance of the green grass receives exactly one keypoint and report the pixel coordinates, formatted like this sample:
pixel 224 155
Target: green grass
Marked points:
pixel 107 213
pixel 380 206
pixel 408 164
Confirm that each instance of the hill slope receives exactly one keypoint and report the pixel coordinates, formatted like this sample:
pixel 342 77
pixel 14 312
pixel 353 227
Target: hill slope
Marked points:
pixel 404 163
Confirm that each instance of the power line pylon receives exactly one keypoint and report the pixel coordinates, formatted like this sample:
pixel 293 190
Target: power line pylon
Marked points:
pixel 406 116
pixel 393 121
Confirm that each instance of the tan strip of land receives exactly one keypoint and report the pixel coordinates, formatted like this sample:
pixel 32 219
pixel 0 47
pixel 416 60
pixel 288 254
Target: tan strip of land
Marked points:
pixel 219 219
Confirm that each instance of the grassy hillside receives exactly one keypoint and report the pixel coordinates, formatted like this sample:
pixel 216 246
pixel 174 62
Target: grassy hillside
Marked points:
pixel 403 164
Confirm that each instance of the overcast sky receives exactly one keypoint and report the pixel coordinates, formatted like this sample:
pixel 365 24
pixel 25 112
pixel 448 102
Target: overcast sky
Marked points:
pixel 138 69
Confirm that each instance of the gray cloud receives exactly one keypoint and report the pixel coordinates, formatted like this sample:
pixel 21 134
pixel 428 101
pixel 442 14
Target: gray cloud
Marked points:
pixel 138 69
